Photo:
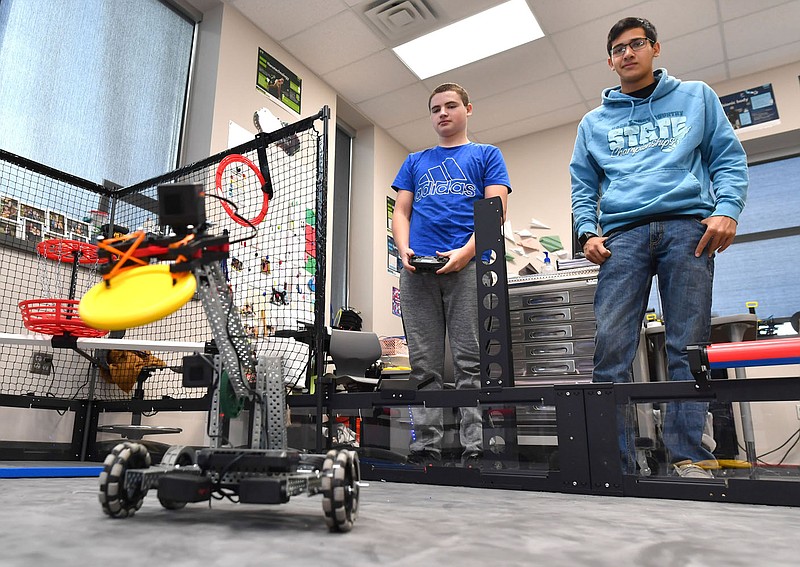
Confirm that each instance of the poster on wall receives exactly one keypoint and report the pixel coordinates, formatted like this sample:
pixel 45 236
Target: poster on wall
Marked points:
pixel 389 212
pixel 393 263
pixel 396 302
pixel 276 80
pixel 751 107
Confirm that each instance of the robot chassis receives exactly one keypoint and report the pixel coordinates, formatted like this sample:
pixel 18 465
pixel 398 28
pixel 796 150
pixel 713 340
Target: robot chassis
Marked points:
pixel 265 473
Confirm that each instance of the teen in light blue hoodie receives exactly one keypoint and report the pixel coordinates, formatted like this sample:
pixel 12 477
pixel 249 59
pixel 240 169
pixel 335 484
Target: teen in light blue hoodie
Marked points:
pixel 656 156
pixel 658 171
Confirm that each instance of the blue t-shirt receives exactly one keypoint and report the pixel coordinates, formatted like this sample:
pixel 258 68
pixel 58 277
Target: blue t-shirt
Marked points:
pixel 446 182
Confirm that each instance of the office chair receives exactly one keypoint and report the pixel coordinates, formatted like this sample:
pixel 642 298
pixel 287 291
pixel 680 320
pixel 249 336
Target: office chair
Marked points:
pixel 353 353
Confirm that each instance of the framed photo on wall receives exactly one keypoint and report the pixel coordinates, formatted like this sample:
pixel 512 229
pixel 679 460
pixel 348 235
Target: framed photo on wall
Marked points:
pixel 77 228
pixel 8 228
pixel 33 230
pixel 32 213
pixel 9 208
pixel 56 222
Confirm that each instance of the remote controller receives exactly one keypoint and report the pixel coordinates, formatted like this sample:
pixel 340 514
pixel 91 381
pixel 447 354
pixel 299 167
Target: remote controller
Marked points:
pixel 428 263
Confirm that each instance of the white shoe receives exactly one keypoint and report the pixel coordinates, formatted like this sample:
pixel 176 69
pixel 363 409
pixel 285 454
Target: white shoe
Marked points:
pixel 687 469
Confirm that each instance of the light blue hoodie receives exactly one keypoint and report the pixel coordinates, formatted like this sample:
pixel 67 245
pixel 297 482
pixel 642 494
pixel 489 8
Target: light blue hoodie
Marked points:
pixel 656 157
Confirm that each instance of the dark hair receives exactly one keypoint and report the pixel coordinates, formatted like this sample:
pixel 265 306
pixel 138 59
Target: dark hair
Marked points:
pixel 447 87
pixel 626 24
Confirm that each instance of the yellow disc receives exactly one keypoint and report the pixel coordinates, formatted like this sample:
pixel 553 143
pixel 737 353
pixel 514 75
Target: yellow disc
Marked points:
pixel 136 297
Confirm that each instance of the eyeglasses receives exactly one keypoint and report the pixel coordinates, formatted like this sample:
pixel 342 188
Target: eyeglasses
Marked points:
pixel 636 45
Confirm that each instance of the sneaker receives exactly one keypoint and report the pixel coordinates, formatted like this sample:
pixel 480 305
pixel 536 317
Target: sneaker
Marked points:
pixel 423 458
pixel 472 461
pixel 687 469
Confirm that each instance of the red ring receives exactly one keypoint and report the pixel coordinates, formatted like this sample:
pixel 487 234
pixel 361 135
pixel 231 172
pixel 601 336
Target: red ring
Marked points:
pixel 228 209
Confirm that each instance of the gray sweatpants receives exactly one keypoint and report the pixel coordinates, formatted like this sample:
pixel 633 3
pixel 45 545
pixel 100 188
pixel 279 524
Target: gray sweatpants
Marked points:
pixel 432 304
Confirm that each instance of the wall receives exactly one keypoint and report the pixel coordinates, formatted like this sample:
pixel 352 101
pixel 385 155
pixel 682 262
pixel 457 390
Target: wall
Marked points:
pixel 391 155
pixel 539 169
pixel 786 88
pixel 376 159
pixel 236 97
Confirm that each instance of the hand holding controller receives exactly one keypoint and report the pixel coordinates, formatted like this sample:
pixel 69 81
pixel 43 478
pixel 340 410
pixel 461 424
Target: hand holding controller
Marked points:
pixel 428 263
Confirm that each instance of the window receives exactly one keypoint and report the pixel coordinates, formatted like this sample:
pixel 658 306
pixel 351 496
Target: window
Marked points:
pixel 763 264
pixel 94 88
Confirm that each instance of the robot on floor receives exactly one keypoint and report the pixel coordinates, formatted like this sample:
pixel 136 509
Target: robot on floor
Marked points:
pixel 135 292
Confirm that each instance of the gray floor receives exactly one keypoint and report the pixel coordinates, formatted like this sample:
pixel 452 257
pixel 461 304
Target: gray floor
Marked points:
pixel 60 522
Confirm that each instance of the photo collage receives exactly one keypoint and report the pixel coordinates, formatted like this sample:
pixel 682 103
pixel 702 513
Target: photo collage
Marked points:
pixel 34 224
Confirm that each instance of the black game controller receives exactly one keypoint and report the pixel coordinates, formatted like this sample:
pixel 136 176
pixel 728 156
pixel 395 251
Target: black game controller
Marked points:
pixel 428 263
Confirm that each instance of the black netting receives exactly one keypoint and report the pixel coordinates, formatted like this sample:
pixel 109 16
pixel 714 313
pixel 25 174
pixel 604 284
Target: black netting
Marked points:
pixel 271 269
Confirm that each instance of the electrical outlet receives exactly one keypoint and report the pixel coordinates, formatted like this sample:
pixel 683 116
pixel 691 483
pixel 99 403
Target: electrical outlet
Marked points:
pixel 41 363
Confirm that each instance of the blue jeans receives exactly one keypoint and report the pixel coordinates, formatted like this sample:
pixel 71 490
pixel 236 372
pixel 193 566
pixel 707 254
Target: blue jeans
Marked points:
pixel 666 249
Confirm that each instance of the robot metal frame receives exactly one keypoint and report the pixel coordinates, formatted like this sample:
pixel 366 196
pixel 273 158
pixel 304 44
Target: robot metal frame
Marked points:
pixel 265 472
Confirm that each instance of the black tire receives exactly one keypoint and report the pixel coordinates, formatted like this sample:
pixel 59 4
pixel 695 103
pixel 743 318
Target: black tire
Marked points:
pixel 171 504
pixel 340 489
pixel 176 456
pixel 115 500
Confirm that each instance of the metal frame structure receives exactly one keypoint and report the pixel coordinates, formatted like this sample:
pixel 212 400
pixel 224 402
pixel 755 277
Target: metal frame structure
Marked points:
pixel 586 417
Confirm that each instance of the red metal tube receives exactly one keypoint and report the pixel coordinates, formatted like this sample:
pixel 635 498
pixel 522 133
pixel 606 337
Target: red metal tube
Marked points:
pixel 769 352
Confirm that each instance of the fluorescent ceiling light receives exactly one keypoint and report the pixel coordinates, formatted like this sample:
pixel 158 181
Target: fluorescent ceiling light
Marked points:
pixel 493 31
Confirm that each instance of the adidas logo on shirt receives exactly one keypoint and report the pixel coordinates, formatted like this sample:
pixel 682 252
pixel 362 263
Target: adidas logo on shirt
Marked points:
pixel 445 179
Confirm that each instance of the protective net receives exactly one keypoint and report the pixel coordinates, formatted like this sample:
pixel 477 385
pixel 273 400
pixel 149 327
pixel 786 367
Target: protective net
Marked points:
pixel 264 194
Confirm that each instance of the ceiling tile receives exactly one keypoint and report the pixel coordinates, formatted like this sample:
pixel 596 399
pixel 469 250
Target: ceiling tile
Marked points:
pixel 398 106
pixel 709 75
pixel 527 63
pixel 763 30
pixel 527 126
pixel 372 76
pixel 558 16
pixel 693 51
pixel 529 100
pixel 593 79
pixel 665 16
pixel 415 136
pixel 758 62
pixel 281 19
pixel 339 41
pixel 732 9
pixel 585 44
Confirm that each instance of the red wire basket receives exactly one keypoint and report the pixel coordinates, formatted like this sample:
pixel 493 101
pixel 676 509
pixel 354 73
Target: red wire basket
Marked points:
pixel 55 317
pixel 62 250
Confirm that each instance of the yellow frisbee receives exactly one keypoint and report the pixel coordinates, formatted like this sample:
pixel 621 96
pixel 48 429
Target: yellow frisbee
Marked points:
pixel 136 297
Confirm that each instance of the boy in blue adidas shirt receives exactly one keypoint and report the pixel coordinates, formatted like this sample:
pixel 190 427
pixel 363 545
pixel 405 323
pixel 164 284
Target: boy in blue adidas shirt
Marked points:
pixel 642 173
pixel 433 216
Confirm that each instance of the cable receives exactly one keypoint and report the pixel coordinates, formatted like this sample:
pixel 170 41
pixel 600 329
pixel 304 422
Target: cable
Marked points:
pixel 224 493
pixel 789 450
pixel 235 212
pixel 781 446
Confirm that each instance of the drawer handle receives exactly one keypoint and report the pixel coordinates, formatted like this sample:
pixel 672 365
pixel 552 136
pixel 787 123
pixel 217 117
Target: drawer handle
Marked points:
pixel 562 368
pixel 553 317
pixel 543 299
pixel 562 350
pixel 539 334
